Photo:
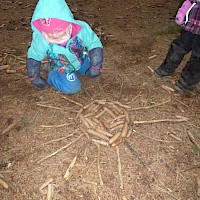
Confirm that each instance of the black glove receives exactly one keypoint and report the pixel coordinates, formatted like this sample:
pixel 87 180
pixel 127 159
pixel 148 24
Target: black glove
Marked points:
pixel 96 61
pixel 33 73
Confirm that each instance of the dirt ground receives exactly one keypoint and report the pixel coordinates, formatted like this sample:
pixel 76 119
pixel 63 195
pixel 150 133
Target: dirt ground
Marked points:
pixel 164 161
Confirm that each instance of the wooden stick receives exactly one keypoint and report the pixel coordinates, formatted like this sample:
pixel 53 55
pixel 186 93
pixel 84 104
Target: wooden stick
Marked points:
pixel 122 105
pixel 104 143
pixel 10 127
pixel 118 142
pixel 98 134
pixel 50 192
pixel 84 132
pixel 56 126
pixel 119 169
pixel 152 57
pixel 3 184
pixel 98 165
pixel 59 150
pixel 82 118
pixel 118 110
pixel 151 70
pixel 103 132
pixel 118 118
pixel 149 107
pixel 167 88
pixel 109 112
pixel 2 67
pixel 192 139
pixel 127 116
pixel 72 101
pixel 79 112
pixel 117 127
pixel 121 88
pixel 104 123
pixel 115 138
pixel 59 139
pixel 134 152
pixel 125 130
pixel 68 174
pixel 161 120
pixel 100 114
pixel 49 106
pixel 116 124
pixel 46 183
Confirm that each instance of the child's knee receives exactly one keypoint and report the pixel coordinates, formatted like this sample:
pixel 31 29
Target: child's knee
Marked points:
pixel 66 83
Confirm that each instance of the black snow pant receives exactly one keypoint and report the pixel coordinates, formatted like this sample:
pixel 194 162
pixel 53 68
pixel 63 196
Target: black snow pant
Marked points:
pixel 181 46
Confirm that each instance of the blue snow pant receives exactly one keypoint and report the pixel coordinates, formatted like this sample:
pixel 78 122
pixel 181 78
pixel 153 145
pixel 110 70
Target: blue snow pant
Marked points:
pixel 68 83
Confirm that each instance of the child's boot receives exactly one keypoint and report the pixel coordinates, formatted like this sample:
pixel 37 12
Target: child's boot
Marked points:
pixel 182 86
pixel 173 59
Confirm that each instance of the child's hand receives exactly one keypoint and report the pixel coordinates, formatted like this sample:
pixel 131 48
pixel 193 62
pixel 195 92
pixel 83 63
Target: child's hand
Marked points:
pixel 33 73
pixel 93 72
pixel 39 82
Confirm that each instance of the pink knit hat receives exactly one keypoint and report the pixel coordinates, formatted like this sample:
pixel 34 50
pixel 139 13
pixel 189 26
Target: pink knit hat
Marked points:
pixel 51 25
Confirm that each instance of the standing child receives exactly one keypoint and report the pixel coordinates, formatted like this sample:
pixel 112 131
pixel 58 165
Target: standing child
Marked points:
pixel 70 45
pixel 188 16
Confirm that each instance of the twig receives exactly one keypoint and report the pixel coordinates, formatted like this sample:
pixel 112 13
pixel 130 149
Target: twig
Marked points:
pixel 134 152
pixel 59 150
pixel 10 127
pixel 151 138
pixel 184 119
pixel 121 88
pixel 72 101
pixel 59 139
pixel 152 57
pixel 2 67
pixel 119 168
pixel 56 126
pixel 6 172
pixel 167 88
pixel 67 173
pixel 49 106
pixel 151 70
pixel 152 106
pixel 46 184
pixel 192 139
pixel 165 191
pixel 50 192
pixel 3 184
pixel 98 165
pixel 181 102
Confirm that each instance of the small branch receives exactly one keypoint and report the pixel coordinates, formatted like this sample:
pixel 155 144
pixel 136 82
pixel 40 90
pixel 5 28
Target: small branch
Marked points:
pixel 72 101
pixel 121 88
pixel 67 173
pixel 3 184
pixel 119 168
pixel 56 126
pixel 134 152
pixel 50 192
pixel 46 184
pixel 48 106
pixel 149 107
pixel 183 119
pixel 192 139
pixel 59 139
pixel 10 127
pixel 98 164
pixel 59 150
